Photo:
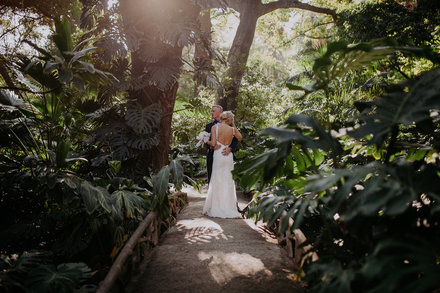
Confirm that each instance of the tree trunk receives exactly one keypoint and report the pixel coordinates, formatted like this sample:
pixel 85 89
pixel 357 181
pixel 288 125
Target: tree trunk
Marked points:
pixel 157 157
pixel 250 11
pixel 202 56
pixel 157 59
pixel 237 57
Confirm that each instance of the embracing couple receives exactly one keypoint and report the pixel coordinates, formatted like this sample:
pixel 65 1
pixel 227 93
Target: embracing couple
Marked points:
pixel 222 199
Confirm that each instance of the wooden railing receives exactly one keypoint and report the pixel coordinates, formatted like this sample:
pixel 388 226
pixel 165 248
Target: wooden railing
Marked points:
pixel 294 243
pixel 147 232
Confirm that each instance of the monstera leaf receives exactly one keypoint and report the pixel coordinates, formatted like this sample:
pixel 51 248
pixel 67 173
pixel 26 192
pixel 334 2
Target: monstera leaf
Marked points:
pixel 141 143
pixel 342 57
pixel 151 50
pixel 403 107
pixel 420 274
pixel 178 34
pixel 164 73
pixel 143 120
pixel 320 139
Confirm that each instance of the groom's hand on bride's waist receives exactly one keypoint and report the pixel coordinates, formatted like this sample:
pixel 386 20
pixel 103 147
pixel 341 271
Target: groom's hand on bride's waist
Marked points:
pixel 226 151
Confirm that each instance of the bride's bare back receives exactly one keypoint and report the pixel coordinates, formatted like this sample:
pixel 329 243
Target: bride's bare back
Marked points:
pixel 225 134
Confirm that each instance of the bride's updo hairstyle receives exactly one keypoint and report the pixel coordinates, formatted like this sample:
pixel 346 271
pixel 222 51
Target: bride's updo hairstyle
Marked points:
pixel 227 116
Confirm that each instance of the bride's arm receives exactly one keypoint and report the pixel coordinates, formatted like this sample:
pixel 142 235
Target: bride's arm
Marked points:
pixel 237 133
pixel 213 141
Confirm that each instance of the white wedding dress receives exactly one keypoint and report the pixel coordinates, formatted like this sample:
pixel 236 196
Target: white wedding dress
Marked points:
pixel 221 201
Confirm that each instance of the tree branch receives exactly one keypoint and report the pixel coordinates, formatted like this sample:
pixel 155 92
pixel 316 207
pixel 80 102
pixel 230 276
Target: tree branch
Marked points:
pixel 269 7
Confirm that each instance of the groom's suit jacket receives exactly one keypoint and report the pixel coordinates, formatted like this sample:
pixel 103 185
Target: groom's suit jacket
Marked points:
pixel 209 158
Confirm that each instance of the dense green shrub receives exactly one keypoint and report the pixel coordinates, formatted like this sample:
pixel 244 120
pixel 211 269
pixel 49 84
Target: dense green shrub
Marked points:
pixel 365 193
pixel 65 205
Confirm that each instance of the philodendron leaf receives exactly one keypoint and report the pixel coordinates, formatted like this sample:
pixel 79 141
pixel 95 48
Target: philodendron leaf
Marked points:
pixel 128 201
pixel 65 277
pixel 62 150
pixel 115 166
pixel 88 196
pixel 62 37
pixel 160 182
pixel 177 173
pixel 95 197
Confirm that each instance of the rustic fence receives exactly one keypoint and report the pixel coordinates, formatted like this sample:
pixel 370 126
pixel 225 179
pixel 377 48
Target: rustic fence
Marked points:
pixel 141 242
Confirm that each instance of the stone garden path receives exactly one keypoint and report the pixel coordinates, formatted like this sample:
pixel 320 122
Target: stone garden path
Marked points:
pixel 202 254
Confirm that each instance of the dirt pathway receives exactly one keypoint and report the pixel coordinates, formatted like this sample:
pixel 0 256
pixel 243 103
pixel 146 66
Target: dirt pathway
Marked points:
pixel 202 254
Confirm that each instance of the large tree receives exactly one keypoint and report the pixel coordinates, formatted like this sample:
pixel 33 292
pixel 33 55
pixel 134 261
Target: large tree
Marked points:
pixel 250 11
pixel 158 31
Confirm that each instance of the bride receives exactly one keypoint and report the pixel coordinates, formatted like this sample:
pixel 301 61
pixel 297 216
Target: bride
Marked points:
pixel 221 200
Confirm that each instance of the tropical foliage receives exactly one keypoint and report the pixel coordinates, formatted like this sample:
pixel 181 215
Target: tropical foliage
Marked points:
pixel 351 152
pixel 366 192
pixel 66 209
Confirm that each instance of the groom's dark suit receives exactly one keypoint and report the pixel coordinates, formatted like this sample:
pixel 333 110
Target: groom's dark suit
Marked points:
pixel 210 156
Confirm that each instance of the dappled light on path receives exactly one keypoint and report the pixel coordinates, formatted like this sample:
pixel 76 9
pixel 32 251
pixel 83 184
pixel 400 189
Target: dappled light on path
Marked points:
pixel 204 254
pixel 227 266
pixel 201 230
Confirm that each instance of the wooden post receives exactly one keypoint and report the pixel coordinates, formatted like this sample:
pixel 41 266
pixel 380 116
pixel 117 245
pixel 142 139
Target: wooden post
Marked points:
pixel 116 268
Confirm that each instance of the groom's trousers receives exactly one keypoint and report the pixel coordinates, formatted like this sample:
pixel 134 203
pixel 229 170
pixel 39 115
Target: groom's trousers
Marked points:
pixel 209 160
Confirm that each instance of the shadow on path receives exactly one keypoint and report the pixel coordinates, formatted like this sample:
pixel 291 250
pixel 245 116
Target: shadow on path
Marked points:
pixel 203 254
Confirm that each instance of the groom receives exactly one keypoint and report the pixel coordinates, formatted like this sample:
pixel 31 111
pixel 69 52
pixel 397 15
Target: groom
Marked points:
pixel 215 114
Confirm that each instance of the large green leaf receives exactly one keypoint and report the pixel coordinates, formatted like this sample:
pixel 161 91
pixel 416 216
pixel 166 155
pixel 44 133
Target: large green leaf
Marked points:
pixel 80 54
pixel 164 73
pixel 128 201
pixel 31 259
pixel 318 139
pixel 261 169
pixel 341 57
pixel 419 270
pixel 335 278
pixel 62 37
pixel 143 143
pixel 62 151
pixel 176 170
pixel 143 120
pixel 405 107
pixel 160 182
pixel 95 197
pixel 65 277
